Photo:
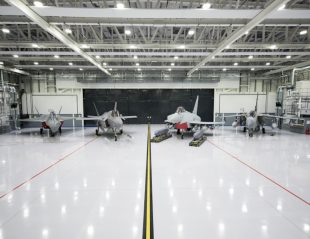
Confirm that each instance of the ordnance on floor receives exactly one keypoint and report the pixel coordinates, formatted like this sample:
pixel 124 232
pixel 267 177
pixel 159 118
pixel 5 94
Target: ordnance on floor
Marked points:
pixel 160 135
pixel 198 138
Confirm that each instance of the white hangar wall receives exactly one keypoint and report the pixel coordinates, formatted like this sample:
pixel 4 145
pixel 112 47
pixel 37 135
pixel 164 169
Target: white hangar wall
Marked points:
pixel 233 92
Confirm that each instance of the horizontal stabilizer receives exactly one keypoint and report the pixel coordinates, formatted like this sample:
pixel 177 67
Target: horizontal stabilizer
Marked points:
pixel 129 117
pixel 206 123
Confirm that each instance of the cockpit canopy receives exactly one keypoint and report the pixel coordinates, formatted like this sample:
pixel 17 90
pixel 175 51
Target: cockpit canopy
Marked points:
pixel 115 113
pixel 180 109
pixel 52 114
pixel 252 113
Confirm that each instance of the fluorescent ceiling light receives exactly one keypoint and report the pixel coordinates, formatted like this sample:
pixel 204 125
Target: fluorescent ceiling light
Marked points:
pixel 267 63
pixel 224 69
pixel 172 64
pixel 135 57
pixel 81 69
pixel 105 64
pixel 288 57
pixel 56 56
pixel 246 33
pixel 97 57
pixel 110 69
pixel 15 56
pixel 176 57
pixel 191 32
pixel 1 62
pixel 251 57
pixel 38 4
pixel 169 69
pixel 272 47
pixel 36 63
pixel 5 30
pixel 139 69
pixel 303 32
pixel 206 6
pixel 68 31
pixel 70 64
pixel 127 32
pixel 35 45
pixel 181 47
pixel 84 46
pixel 137 64
pixel 281 7
pixel 132 46
pixel 252 69
pixel 120 5
pixel 236 63
pixel 51 69
pixel 227 47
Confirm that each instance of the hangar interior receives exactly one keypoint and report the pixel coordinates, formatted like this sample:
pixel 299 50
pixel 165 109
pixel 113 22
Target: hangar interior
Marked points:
pixel 98 115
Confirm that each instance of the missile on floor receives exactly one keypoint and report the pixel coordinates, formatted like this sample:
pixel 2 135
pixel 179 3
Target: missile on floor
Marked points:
pixel 161 132
pixel 161 135
pixel 198 138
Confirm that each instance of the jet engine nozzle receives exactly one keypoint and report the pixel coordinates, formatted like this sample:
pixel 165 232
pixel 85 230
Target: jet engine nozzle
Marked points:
pixel 235 124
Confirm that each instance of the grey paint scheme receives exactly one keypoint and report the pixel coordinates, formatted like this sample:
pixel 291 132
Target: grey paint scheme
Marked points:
pixel 51 121
pixel 111 120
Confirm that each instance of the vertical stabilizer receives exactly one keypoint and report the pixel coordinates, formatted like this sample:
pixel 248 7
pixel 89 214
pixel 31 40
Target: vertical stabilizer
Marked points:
pixel 195 110
pixel 256 103
pixel 115 106
pixel 96 108
pixel 60 110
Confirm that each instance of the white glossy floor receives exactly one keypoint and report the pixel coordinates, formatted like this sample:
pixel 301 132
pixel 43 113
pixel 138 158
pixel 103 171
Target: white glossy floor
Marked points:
pixel 78 185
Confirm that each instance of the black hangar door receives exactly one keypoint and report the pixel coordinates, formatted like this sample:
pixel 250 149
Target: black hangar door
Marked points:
pixel 157 103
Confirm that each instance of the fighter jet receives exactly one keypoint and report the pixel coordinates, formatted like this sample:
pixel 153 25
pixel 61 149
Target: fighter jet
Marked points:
pixel 183 120
pixel 254 122
pixel 52 121
pixel 111 120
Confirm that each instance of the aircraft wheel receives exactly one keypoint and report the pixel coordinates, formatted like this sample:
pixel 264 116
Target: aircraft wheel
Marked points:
pixel 97 132
pixel 41 131
pixel 263 130
pixel 59 130
pixel 182 136
pixel 115 137
pixel 52 134
pixel 121 131
pixel 178 131
pixel 244 129
pixel 251 134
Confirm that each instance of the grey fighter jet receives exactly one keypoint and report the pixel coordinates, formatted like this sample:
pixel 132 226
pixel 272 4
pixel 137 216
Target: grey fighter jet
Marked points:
pixel 183 120
pixel 111 120
pixel 52 121
pixel 254 122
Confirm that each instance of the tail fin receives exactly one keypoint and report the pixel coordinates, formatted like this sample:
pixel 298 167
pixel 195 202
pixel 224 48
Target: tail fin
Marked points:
pixel 256 103
pixel 195 110
pixel 60 110
pixel 37 110
pixel 96 109
pixel 115 106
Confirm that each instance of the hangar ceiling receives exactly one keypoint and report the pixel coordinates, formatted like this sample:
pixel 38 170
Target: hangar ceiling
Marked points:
pixel 147 36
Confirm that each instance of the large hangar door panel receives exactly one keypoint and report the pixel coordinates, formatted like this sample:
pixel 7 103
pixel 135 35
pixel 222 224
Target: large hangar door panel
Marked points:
pixel 157 103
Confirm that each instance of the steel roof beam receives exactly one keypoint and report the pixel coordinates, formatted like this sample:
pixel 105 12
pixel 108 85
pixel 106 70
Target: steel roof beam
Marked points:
pixel 238 33
pixel 156 53
pixel 31 13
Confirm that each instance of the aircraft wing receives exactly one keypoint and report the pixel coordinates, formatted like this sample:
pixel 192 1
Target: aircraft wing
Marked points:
pixel 206 123
pixel 93 118
pixel 279 117
pixel 129 117
pixel 31 120
pixel 232 116
pixel 67 118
